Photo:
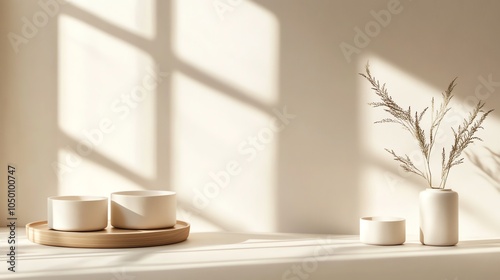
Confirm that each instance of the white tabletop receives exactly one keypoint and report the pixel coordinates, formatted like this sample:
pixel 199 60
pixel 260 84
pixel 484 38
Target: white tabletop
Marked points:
pixel 257 256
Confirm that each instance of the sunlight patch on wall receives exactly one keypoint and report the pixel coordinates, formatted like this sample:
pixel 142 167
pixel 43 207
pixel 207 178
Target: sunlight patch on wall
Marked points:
pixel 136 16
pixel 244 56
pixel 223 156
pixel 106 104
pixel 90 178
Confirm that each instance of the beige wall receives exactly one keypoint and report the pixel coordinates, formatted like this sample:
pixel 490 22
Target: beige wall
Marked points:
pixel 29 111
pixel 210 109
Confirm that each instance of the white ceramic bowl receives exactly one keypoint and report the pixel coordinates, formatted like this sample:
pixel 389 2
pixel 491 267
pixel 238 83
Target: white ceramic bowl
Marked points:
pixel 143 209
pixel 77 213
pixel 382 230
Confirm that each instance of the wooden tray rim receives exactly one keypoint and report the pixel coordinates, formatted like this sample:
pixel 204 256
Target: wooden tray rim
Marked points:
pixel 106 231
pixel 38 232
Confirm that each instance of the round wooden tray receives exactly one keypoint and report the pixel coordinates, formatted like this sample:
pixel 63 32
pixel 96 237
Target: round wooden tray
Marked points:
pixel 110 237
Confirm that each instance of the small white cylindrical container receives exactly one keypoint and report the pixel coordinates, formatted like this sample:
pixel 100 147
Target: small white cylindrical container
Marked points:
pixel 438 217
pixel 77 213
pixel 382 230
pixel 152 209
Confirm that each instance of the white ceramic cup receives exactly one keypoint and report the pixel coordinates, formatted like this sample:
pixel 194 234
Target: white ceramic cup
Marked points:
pixel 382 230
pixel 143 209
pixel 77 213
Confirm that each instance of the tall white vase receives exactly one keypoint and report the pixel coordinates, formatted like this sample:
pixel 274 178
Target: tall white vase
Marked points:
pixel 438 217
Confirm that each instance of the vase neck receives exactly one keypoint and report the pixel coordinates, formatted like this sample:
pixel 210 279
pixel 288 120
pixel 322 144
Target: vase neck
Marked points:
pixel 438 190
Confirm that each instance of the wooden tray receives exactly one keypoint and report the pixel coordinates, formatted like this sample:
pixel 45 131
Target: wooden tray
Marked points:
pixel 110 237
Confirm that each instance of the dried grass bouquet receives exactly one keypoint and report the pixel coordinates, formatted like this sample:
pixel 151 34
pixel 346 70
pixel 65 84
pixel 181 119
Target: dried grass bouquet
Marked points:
pixel 464 134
